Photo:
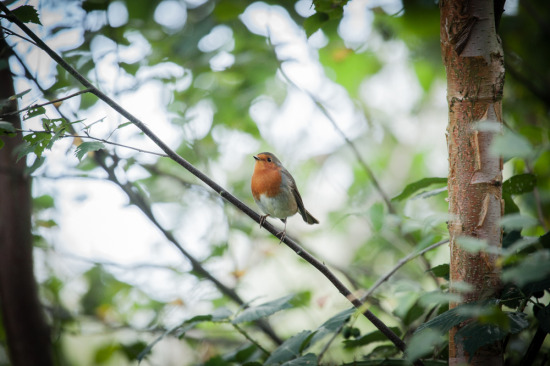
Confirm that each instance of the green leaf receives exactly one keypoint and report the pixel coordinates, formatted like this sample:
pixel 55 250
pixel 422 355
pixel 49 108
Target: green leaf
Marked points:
pixel 510 145
pixel 91 5
pixel 517 222
pixel 441 271
pixel 87 147
pixel 104 353
pixel 444 322
pixel 131 351
pixel 38 162
pixel 418 185
pixel 476 335
pixel 543 316
pixel 290 348
pixel 377 216
pixel 313 23
pixel 519 184
pixel 34 111
pixel 43 202
pixel 510 206
pixel 393 362
pixel 472 245
pixel 19 95
pixel 423 343
pixel 376 336
pixel 263 310
pixel 308 359
pixel 533 268
pixel 124 125
pixel 6 127
pixel 333 323
pixel 27 14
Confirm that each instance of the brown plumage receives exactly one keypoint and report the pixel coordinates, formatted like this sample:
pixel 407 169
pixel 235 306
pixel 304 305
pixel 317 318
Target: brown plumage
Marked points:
pixel 275 191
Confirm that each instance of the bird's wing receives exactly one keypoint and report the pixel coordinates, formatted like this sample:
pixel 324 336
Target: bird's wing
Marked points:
pixel 296 194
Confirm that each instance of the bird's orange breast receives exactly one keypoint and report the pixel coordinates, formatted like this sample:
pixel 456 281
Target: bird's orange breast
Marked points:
pixel 265 180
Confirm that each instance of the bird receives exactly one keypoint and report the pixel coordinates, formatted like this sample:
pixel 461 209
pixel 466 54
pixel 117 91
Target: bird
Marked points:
pixel 275 191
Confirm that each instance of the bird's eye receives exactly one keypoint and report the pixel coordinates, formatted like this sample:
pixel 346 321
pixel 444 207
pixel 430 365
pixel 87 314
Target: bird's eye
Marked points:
pixel 269 160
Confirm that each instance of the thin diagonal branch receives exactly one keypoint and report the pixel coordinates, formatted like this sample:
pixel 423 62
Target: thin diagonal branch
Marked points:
pixel 400 264
pixel 47 103
pixel 196 265
pixel 350 143
pixel 377 284
pixel 141 202
pixel 220 190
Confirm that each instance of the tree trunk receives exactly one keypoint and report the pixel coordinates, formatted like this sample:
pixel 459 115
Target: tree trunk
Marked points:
pixel 26 331
pixel 474 62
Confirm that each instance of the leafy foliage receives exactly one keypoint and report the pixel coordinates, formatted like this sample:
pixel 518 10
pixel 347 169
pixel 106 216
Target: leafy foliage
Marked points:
pixel 221 97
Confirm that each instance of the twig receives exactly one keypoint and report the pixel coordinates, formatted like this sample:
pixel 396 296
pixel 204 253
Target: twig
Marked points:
pixel 350 143
pixel 197 266
pixel 47 103
pixel 220 190
pixel 381 280
pixel 140 201
pixel 11 33
pixel 240 330
pixel 400 264
pixel 101 140
pixel 362 162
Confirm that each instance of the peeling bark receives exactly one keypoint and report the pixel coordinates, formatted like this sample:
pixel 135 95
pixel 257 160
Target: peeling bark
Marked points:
pixel 473 59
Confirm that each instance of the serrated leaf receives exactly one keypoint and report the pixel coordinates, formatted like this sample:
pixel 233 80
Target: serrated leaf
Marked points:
pixel 519 184
pixel 27 14
pixel 414 187
pixel 6 127
pixel 290 348
pixel 263 310
pixel 86 147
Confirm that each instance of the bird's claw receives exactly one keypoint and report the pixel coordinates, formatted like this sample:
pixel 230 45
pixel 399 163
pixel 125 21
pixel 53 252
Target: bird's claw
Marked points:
pixel 262 220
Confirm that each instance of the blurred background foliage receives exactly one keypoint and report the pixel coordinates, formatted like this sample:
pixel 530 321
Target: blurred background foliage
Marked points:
pixel 220 81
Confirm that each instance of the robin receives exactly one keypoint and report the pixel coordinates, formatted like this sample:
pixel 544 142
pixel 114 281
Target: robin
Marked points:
pixel 275 191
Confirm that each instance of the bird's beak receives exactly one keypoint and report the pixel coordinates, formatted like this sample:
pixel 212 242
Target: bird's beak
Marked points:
pixel 255 157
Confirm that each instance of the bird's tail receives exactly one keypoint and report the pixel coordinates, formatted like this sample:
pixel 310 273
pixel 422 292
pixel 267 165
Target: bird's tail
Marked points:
pixel 308 218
